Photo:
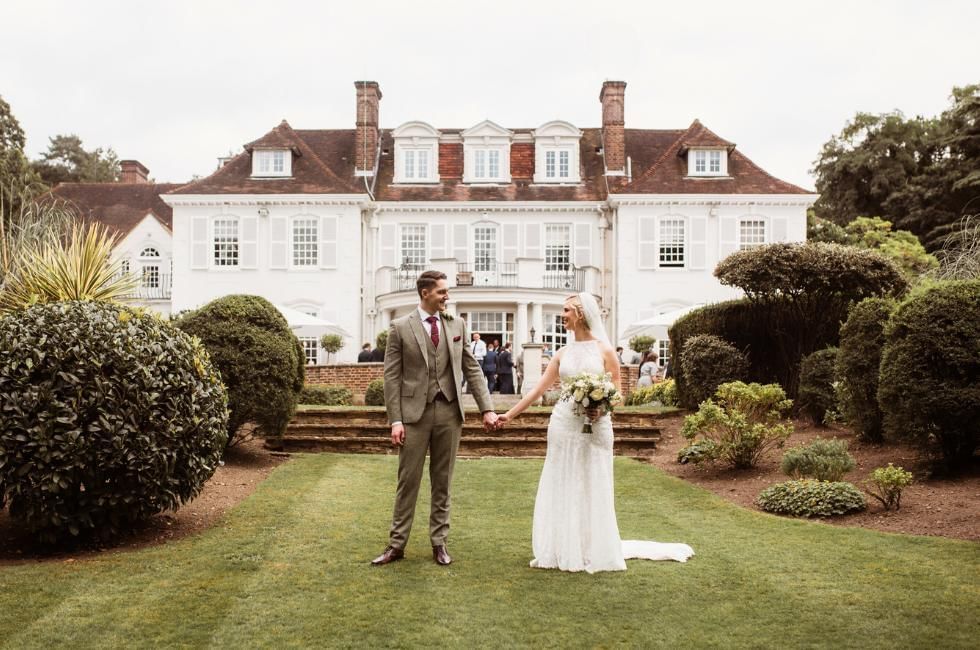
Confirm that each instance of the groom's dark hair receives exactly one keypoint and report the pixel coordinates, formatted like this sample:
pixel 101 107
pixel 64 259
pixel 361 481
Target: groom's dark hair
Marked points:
pixel 428 280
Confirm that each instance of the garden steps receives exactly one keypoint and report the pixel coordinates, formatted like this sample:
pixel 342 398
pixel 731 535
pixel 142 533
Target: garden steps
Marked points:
pixel 360 431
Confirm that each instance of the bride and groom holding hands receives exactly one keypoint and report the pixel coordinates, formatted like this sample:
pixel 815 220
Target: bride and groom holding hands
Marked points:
pixel 426 361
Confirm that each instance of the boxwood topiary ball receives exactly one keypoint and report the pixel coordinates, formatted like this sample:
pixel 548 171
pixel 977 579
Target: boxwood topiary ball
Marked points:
pixel 109 415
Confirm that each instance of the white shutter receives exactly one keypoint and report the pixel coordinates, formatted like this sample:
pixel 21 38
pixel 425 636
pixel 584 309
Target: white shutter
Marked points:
pixel 697 240
pixel 249 243
pixel 780 230
pixel 728 237
pixel 511 242
pixel 439 248
pixel 389 233
pixel 199 242
pixel 583 244
pixel 278 242
pixel 532 241
pixel 328 242
pixel 647 254
pixel 461 242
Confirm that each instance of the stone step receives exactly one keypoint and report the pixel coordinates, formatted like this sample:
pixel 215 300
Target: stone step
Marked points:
pixel 470 428
pixel 360 417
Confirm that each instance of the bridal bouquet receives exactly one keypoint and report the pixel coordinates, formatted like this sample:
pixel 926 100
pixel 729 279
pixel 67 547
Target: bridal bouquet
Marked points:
pixel 587 390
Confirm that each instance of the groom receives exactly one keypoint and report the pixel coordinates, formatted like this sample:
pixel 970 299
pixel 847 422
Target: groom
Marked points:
pixel 425 362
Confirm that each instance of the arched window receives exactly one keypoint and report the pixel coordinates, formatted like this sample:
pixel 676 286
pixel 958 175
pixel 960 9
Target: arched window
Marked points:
pixel 149 252
pixel 150 264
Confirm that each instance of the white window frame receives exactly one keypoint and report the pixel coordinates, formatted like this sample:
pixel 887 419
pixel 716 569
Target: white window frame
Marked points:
pixel 695 156
pixel 405 229
pixel 663 351
pixel 554 264
pixel 408 164
pixel 554 333
pixel 272 163
pixel 556 141
pixel 660 243
pixel 744 245
pixel 483 165
pixel 212 243
pixel 310 344
pixel 314 244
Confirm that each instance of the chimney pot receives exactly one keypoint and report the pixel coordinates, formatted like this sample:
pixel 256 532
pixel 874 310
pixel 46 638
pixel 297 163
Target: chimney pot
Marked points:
pixel 367 133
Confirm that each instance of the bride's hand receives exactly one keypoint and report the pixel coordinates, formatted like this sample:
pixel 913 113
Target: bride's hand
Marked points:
pixel 502 420
pixel 593 413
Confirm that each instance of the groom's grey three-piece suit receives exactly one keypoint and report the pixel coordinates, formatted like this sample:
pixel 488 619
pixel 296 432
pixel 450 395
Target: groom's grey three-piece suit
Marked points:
pixel 422 385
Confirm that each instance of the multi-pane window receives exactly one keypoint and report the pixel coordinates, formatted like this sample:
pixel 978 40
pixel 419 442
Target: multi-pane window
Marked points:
pixel 151 277
pixel 423 159
pixel 225 242
pixel 663 351
pixel 480 163
pixel 700 161
pixel 554 333
pixel 485 248
pixel 562 164
pixel 559 169
pixel 124 266
pixel 413 245
pixel 671 242
pixel 549 164
pixel 416 164
pixel 557 247
pixel 271 163
pixel 493 163
pixel 310 349
pixel 714 162
pixel 409 164
pixel 751 233
pixel 486 164
pixel 305 249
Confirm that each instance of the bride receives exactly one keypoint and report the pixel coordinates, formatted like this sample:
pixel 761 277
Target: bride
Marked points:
pixel 575 525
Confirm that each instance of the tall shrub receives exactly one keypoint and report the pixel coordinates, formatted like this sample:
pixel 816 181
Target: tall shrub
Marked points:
pixel 261 361
pixel 708 363
pixel 818 377
pixel 800 294
pixel 110 415
pixel 930 370
pixel 858 359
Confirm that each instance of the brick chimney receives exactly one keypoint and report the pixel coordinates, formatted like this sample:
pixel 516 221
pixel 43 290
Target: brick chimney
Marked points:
pixel 133 172
pixel 612 97
pixel 366 137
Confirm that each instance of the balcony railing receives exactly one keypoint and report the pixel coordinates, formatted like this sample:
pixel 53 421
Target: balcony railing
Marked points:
pixel 151 288
pixel 492 274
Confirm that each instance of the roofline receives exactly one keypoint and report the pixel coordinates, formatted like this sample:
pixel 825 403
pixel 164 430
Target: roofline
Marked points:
pixel 710 199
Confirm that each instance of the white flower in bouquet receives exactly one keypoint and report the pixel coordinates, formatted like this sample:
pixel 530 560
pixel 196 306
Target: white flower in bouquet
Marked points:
pixel 587 391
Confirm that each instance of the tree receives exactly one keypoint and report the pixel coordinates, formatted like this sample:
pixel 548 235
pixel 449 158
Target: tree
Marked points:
pixel 332 343
pixel 17 179
pixel 900 246
pixel 919 173
pixel 67 161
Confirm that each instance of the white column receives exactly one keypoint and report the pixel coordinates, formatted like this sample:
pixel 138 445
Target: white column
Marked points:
pixel 520 327
pixel 537 320
pixel 532 366
pixel 385 319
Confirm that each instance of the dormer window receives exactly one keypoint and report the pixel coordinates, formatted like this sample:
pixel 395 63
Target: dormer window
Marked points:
pixel 707 162
pixel 416 153
pixel 271 163
pixel 556 147
pixel 486 154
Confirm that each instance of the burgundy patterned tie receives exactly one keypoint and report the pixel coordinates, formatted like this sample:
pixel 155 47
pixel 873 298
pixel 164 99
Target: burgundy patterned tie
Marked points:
pixel 433 322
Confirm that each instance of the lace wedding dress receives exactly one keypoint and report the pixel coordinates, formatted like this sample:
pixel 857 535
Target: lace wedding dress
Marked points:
pixel 575 525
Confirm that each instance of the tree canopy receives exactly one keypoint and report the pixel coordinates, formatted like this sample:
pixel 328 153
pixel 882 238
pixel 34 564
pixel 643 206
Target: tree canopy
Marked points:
pixel 919 173
pixel 66 160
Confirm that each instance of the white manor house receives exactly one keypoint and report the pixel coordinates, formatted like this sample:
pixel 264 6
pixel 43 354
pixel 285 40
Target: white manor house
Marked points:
pixel 338 223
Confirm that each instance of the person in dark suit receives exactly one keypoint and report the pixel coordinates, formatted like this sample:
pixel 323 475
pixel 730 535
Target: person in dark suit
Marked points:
pixel 364 355
pixel 490 367
pixel 377 355
pixel 505 371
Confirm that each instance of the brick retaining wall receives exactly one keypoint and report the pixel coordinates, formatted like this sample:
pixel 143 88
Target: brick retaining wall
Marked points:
pixel 357 376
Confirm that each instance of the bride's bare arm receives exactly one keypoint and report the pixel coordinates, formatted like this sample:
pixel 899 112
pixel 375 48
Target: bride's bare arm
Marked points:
pixel 547 379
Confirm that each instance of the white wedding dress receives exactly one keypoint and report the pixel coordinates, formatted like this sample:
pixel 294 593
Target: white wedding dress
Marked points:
pixel 575 525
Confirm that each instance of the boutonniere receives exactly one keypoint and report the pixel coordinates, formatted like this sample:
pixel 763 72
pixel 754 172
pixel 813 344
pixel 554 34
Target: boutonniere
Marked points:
pixel 446 316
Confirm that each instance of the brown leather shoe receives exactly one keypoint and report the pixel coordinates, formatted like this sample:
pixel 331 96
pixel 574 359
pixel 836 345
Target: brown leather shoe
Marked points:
pixel 390 555
pixel 441 556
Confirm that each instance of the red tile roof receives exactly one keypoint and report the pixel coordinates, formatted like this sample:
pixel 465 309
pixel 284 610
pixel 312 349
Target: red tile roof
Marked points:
pixel 120 206
pixel 325 165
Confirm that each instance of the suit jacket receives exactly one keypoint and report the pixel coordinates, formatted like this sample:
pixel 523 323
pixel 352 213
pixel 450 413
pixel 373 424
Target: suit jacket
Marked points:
pixel 406 372
pixel 505 362
pixel 490 361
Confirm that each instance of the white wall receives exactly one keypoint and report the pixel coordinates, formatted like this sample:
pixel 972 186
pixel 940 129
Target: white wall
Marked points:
pixel 331 293
pixel 643 293
pixel 149 232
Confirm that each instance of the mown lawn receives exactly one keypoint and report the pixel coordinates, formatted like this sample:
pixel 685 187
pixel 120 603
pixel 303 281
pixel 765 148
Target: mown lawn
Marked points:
pixel 289 568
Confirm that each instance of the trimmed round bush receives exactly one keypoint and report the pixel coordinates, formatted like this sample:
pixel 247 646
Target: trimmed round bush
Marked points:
pixel 811 498
pixel 824 460
pixel 929 388
pixel 818 395
pixel 110 415
pixel 708 363
pixel 261 361
pixel 862 338
pixel 326 395
pixel 375 393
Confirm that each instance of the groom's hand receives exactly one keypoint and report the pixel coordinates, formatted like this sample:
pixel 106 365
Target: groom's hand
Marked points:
pixel 489 421
pixel 398 434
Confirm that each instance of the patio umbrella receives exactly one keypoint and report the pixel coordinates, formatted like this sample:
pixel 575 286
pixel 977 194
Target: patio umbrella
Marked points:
pixel 657 326
pixel 296 319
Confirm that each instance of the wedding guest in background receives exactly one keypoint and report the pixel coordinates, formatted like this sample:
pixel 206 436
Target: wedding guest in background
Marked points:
pixel 490 367
pixel 364 355
pixel 649 369
pixel 505 371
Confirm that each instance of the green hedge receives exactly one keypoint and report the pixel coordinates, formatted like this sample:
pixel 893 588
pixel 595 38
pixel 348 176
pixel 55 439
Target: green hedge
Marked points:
pixel 818 394
pixel 110 415
pixel 326 395
pixel 929 388
pixel 709 362
pixel 375 393
pixel 862 338
pixel 260 359
pixel 825 460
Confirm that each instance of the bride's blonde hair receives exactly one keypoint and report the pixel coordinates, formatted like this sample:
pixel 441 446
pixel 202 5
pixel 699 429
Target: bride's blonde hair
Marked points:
pixel 576 303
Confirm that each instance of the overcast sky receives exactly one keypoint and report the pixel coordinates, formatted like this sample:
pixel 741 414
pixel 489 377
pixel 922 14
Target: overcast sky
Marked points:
pixel 176 84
